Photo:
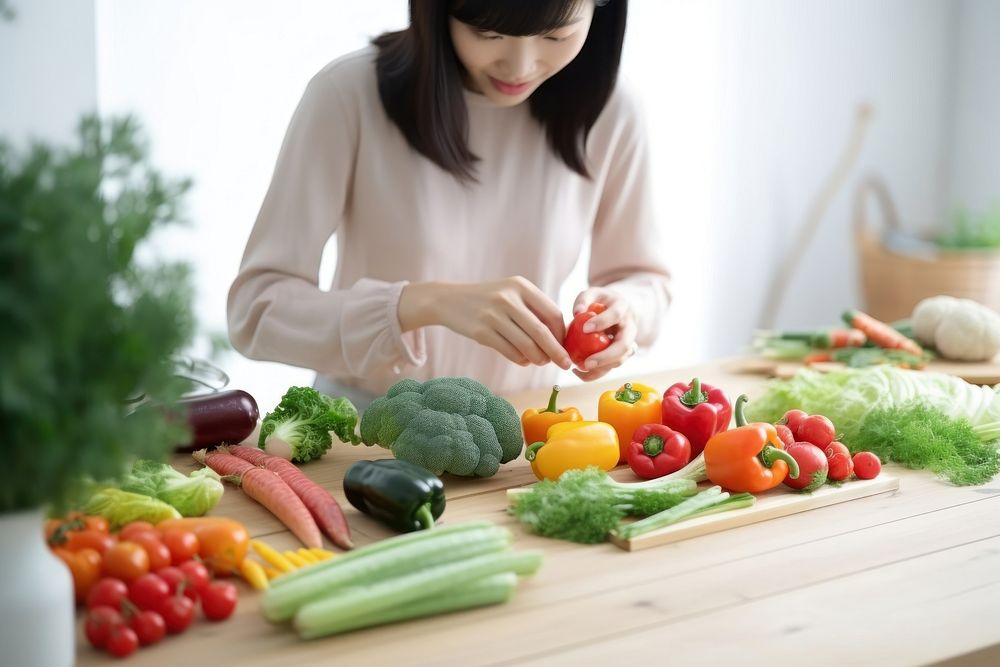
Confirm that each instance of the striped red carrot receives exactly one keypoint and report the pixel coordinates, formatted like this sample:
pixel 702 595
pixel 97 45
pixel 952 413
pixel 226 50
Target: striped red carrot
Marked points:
pixel 321 504
pixel 268 489
pixel 881 333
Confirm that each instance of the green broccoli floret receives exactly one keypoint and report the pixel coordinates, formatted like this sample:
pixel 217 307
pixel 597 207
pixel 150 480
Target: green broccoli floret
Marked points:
pixel 299 427
pixel 453 425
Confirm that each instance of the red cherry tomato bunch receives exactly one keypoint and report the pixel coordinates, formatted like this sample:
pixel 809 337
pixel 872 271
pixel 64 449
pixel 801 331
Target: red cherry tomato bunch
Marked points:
pixel 799 429
pixel 147 585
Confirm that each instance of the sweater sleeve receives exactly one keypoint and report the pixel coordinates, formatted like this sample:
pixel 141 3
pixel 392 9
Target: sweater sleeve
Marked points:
pixel 626 245
pixel 276 309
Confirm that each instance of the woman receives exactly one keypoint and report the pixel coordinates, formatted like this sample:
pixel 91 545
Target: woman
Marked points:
pixel 462 163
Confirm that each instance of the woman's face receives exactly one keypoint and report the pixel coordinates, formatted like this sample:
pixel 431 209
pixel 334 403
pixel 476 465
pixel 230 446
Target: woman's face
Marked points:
pixel 508 69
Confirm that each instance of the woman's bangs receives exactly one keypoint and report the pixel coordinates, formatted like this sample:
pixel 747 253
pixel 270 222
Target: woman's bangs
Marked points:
pixel 515 17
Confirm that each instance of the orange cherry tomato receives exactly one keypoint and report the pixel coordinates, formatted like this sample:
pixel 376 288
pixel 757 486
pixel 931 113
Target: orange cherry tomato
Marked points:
pixel 125 561
pixel 88 539
pixel 73 522
pixel 134 528
pixel 159 554
pixel 222 543
pixel 85 566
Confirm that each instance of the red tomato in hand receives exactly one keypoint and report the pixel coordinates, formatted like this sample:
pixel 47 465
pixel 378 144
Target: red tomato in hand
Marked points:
pixel 99 623
pixel 581 345
pixel 177 612
pixel 107 592
pixel 122 641
pixel 218 600
pixel 149 627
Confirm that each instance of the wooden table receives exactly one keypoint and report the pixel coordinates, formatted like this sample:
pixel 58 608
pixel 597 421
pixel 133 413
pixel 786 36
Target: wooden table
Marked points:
pixel 901 579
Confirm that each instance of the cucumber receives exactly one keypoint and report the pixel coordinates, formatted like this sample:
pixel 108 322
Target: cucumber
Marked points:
pixel 495 589
pixel 316 618
pixel 281 603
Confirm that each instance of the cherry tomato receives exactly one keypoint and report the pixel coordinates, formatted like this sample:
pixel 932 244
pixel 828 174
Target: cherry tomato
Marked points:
pixel 218 600
pixel 107 592
pixel 76 521
pixel 196 573
pixel 159 555
pixel 222 543
pixel 85 566
pixel 177 612
pixel 122 641
pixel 175 578
pixel 88 539
pixel 148 592
pixel 182 544
pixel 818 430
pixel 149 627
pixel 134 528
pixel 99 623
pixel 793 419
pixel 126 561
pixel 841 464
pixel 867 465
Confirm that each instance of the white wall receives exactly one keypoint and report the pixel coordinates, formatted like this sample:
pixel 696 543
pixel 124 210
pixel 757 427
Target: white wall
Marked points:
pixel 749 105
pixel 48 73
pixel 974 158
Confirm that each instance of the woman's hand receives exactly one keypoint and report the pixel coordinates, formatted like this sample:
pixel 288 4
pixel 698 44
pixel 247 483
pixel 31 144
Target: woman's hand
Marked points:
pixel 618 320
pixel 512 316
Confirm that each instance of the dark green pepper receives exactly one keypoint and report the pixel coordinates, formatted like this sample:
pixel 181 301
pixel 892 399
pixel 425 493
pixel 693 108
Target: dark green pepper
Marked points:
pixel 401 495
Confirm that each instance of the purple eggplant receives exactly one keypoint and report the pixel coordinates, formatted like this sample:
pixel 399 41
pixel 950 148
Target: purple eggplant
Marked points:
pixel 225 416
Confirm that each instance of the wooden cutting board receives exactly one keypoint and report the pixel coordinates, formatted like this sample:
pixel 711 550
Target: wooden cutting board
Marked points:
pixel 770 505
pixel 981 372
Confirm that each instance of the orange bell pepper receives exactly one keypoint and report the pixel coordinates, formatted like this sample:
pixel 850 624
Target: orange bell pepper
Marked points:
pixel 632 406
pixel 574 446
pixel 749 458
pixel 536 422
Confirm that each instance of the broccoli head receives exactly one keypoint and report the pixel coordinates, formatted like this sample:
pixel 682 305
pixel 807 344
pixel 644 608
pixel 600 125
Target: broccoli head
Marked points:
pixel 453 425
pixel 299 428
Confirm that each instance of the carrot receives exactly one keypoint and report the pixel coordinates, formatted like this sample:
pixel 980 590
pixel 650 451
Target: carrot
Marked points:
pixel 817 358
pixel 323 506
pixel 269 490
pixel 222 462
pixel 881 333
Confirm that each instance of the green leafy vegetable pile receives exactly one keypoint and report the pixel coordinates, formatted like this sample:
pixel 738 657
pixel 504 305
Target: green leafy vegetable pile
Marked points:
pixel 846 397
pixel 586 505
pixel 191 495
pixel 85 325
pixel 453 425
pixel 920 436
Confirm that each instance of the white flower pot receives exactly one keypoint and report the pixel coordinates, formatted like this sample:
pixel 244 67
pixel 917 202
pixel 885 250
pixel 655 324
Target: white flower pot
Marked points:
pixel 36 596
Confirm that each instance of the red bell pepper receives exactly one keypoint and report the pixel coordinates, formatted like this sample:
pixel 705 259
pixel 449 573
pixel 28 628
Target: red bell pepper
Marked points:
pixel 581 345
pixel 657 450
pixel 697 410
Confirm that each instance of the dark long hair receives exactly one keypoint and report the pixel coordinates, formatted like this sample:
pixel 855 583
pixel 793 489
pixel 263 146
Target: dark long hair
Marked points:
pixel 420 77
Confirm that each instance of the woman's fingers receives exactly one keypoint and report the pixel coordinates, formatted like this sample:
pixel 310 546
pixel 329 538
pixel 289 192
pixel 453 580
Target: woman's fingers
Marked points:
pixel 493 339
pixel 540 339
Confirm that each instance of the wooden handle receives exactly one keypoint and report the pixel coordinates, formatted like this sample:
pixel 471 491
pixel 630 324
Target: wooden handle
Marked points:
pixel 874 185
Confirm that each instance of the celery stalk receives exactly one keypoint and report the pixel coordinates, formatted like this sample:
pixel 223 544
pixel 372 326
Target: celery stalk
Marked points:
pixel 495 589
pixel 281 603
pixel 315 618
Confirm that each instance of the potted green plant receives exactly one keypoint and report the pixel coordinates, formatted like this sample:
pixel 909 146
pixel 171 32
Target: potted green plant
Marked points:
pixel 85 326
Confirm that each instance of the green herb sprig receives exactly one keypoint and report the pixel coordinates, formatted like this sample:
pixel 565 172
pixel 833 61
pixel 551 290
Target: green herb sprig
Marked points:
pixel 85 325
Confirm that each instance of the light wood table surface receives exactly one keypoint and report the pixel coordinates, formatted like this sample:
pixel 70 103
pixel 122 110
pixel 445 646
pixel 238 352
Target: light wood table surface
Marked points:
pixel 902 579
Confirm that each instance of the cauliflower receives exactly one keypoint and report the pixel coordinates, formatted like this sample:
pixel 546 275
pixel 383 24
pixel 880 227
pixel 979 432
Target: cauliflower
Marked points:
pixel 960 329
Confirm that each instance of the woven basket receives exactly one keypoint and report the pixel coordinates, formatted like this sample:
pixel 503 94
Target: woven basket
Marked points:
pixel 893 283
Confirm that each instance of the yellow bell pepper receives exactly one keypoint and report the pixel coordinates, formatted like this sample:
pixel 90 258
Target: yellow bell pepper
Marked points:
pixel 574 445
pixel 632 406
